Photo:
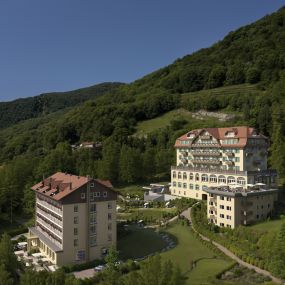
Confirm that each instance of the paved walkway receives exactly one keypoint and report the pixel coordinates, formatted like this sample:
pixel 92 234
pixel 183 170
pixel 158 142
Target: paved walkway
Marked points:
pixel 187 215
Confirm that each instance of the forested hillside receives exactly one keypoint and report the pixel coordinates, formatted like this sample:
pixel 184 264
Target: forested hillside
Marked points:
pixel 32 107
pixel 252 57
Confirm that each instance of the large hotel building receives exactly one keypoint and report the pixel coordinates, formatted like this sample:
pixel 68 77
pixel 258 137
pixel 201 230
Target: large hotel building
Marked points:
pixel 228 168
pixel 75 218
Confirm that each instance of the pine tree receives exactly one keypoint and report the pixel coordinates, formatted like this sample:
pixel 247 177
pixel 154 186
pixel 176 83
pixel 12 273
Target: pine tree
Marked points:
pixel 5 277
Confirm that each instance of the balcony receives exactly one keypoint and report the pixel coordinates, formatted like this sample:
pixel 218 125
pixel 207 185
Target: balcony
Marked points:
pixel 206 161
pixel 213 208
pixel 246 213
pixel 214 170
pixel 205 145
pixel 50 217
pixel 205 137
pixel 205 153
pixel 184 160
pixel 213 199
pixel 229 162
pixel 230 154
pixel 49 207
pixel 184 153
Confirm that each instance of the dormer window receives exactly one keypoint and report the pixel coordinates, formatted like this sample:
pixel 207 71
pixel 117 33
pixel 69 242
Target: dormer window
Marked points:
pixel 190 135
pixel 230 134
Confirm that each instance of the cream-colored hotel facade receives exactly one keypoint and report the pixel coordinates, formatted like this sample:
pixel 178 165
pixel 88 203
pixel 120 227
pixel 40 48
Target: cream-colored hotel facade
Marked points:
pixel 75 219
pixel 228 168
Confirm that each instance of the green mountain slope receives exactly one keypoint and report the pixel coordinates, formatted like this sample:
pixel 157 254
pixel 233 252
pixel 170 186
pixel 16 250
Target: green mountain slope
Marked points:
pixel 32 107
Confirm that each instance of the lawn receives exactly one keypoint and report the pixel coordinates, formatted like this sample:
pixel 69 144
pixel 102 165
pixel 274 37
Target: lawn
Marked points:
pixel 140 242
pixel 148 126
pixel 132 190
pixel 266 226
pixel 188 249
pixel 142 213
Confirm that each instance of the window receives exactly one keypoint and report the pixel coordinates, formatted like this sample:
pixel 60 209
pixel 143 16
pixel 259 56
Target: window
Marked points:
pixel 97 194
pixel 109 226
pixel 191 186
pixel 222 197
pixel 93 240
pixel 228 217
pixel 109 216
pixel 109 237
pixel 229 226
pixel 174 174
pixel 179 184
pixel 222 206
pixel 93 207
pixel 184 185
pixel 222 215
pixel 109 205
pixel 268 206
pixel 241 180
pixel 92 229
pixel 75 242
pixel 179 175
pixel 75 208
pixel 197 187
pixel 191 176
pixel 222 179
pixel 105 194
pixel 231 179
pixel 184 175
pixel 257 216
pixel 75 220
pixel 82 195
pixel 174 183
pixel 229 208
pixel 229 198
pixel 204 178
pixel 92 218
pixel 75 231
pixel 80 255
pixel 213 178
pixel 92 185
pixel 221 224
pixel 197 177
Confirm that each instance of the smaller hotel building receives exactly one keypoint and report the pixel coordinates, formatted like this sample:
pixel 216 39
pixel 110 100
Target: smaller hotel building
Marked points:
pixel 233 157
pixel 75 218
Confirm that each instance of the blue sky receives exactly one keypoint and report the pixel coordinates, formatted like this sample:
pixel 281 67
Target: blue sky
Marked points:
pixel 60 45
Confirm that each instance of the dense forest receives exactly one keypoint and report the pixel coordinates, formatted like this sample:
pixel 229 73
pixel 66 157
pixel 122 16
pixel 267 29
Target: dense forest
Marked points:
pixel 32 107
pixel 254 54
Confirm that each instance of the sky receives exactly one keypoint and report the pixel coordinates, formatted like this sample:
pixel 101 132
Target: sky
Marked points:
pixel 60 45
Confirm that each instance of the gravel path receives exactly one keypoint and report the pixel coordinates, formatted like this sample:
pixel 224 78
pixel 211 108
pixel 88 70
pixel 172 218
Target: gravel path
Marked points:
pixel 187 215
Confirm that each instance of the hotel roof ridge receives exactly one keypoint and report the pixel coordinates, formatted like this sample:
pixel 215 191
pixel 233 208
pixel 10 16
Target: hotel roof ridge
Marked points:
pixel 60 185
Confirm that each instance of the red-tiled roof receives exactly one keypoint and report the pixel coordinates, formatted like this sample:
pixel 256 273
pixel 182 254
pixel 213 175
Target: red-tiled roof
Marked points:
pixel 242 133
pixel 62 184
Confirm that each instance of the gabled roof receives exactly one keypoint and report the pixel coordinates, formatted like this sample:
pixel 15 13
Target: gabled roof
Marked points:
pixel 60 184
pixel 242 133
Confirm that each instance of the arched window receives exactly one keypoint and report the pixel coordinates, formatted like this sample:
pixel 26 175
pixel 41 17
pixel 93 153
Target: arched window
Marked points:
pixel 222 179
pixel 197 187
pixel 213 178
pixel 197 177
pixel 204 178
pixel 231 179
pixel 174 174
pixel 241 180
pixel 204 188
pixel 184 185
pixel 191 176
pixel 179 175
pixel 174 183
pixel 184 175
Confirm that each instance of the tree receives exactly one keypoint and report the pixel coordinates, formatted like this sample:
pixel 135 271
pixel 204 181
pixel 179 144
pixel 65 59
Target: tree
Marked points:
pixel 155 272
pixel 252 75
pixel 7 256
pixel 217 76
pixel 5 277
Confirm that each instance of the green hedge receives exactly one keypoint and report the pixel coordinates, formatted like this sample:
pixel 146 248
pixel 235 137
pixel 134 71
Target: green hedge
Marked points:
pixel 82 266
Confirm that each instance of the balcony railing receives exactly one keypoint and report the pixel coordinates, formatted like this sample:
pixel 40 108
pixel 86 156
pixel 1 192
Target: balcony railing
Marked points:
pixel 206 161
pixel 229 162
pixel 208 170
pixel 49 207
pixel 205 145
pixel 50 217
pixel 230 154
pixel 205 153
